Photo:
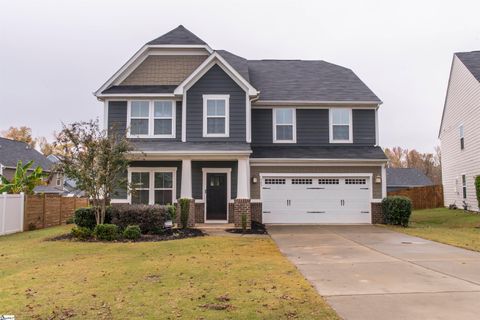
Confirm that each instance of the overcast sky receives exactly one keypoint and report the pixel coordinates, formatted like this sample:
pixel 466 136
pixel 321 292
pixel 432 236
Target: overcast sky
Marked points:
pixel 54 54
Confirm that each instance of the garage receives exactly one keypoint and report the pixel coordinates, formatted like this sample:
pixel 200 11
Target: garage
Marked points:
pixel 315 198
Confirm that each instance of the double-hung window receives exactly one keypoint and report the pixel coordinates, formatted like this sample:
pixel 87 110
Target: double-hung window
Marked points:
pixel 154 119
pixel 152 185
pixel 216 116
pixel 341 125
pixel 284 125
pixel 464 186
pixel 462 139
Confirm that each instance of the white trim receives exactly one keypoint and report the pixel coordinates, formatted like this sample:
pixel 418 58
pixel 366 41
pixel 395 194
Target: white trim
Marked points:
pixel 294 125
pixel 228 171
pixel 350 126
pixel 384 181
pixel 315 102
pixel 226 116
pixel 105 115
pixel 137 95
pixel 377 133
pixel 248 119
pixel 213 59
pixel 151 120
pixel 129 66
pixel 193 152
pixel 119 201
pixel 312 162
pixel 151 187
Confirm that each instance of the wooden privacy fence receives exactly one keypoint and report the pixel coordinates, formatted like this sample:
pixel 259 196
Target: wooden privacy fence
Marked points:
pixel 43 211
pixel 422 197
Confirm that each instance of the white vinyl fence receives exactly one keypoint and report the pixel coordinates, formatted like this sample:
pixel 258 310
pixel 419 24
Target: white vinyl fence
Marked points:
pixel 11 213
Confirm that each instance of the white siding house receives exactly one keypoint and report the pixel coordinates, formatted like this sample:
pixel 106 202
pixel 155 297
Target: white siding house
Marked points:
pixel 460 131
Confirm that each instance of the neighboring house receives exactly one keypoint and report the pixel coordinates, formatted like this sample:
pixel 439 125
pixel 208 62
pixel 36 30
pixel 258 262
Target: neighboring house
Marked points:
pixel 285 141
pixel 12 151
pixel 402 178
pixel 460 131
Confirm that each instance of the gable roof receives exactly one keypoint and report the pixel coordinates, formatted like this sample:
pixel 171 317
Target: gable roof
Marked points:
pixel 11 151
pixel 471 60
pixel 179 35
pixel 407 177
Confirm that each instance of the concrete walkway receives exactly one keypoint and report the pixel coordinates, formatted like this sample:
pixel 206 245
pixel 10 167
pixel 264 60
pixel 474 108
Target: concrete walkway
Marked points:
pixel 368 272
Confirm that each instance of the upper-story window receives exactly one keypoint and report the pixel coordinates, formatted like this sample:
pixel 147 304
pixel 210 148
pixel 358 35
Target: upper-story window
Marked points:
pixel 340 125
pixel 151 118
pixel 216 115
pixel 462 139
pixel 284 125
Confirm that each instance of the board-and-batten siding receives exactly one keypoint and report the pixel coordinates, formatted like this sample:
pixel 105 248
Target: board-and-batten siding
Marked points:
pixel 462 106
pixel 117 120
pixel 313 127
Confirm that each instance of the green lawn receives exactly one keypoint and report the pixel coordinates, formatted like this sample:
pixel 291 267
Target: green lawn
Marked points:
pixel 455 227
pixel 246 278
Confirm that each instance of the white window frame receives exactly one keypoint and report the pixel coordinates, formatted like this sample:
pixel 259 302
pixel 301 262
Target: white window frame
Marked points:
pixel 226 98
pixel 350 126
pixel 294 125
pixel 151 186
pixel 464 186
pixel 151 119
pixel 461 133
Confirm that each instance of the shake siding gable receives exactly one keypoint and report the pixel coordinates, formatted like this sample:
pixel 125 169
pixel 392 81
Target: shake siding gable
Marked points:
pixel 462 106
pixel 216 81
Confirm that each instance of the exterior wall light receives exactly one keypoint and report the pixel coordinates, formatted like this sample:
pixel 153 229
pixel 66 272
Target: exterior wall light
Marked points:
pixel 378 179
pixel 254 180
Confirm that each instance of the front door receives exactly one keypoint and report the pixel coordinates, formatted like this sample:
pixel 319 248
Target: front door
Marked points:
pixel 216 196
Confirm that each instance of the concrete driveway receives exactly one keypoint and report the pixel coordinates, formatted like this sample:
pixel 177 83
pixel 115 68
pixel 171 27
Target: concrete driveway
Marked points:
pixel 368 272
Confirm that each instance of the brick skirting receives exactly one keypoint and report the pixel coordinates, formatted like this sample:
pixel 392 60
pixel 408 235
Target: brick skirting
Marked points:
pixel 242 207
pixel 377 214
pixel 200 212
pixel 256 211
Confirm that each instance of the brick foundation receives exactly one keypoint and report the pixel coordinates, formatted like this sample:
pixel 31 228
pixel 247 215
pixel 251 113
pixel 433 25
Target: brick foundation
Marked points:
pixel 199 212
pixel 242 207
pixel 256 209
pixel 377 214
pixel 191 213
pixel 231 209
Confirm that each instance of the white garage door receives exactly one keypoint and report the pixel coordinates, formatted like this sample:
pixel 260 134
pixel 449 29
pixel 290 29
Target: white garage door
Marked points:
pixel 318 199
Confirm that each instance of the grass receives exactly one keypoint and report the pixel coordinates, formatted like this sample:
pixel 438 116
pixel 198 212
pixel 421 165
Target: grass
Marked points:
pixel 244 278
pixel 454 227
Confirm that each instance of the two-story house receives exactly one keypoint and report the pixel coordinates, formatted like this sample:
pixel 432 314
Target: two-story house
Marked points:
pixel 460 131
pixel 282 141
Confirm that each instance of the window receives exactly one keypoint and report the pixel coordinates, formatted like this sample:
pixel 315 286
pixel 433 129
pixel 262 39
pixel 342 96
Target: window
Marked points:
pixel 152 185
pixel 284 125
pixel 151 119
pixel 216 115
pixel 462 139
pixel 58 180
pixel 328 181
pixel 355 181
pixel 340 125
pixel 464 186
pixel 301 181
pixel 274 181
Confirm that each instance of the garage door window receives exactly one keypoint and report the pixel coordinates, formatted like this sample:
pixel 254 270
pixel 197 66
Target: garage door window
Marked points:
pixel 301 181
pixel 284 127
pixel 355 181
pixel 340 125
pixel 274 181
pixel 328 181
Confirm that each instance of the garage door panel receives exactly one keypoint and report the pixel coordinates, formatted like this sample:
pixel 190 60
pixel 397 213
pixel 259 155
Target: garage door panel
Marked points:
pixel 316 200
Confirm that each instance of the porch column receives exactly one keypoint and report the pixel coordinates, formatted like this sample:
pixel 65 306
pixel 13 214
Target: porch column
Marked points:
pixel 186 185
pixel 243 178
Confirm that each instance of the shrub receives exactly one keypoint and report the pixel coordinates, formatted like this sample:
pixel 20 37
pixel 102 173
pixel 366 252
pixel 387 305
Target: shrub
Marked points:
pixel 477 189
pixel 184 210
pixel 69 220
pixel 397 210
pixel 171 212
pixel 85 217
pixel 150 219
pixel 107 232
pixel 132 232
pixel 81 233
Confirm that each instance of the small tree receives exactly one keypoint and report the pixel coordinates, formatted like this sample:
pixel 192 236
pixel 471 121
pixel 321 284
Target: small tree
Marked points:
pixel 184 211
pixel 95 160
pixel 25 179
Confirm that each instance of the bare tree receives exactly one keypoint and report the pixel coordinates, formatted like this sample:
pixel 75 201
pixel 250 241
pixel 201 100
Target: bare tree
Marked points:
pixel 23 134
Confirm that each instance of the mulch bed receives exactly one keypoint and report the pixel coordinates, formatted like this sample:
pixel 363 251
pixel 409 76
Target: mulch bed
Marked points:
pixel 175 234
pixel 257 228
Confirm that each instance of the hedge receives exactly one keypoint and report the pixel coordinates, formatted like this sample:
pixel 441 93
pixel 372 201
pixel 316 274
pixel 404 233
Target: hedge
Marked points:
pixel 85 217
pixel 150 219
pixel 397 210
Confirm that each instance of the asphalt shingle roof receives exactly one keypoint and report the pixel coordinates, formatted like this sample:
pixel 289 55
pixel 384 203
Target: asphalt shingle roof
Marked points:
pixel 11 151
pixel 179 35
pixel 140 89
pixel 471 60
pixel 320 152
pixel 406 177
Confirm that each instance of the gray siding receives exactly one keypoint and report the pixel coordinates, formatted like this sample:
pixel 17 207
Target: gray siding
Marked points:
pixel 197 175
pixel 313 127
pixel 117 120
pixel 117 117
pixel 216 81
pixel 363 127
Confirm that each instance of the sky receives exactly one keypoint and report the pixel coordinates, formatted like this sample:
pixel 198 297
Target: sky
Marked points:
pixel 54 54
